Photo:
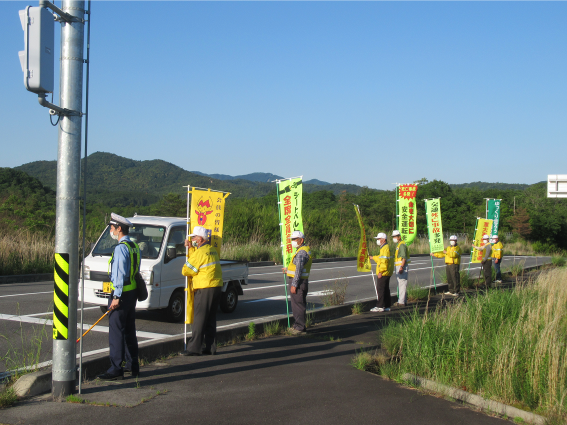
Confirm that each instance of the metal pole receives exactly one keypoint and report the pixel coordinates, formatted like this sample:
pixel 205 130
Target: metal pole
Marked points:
pixel 84 201
pixel 186 277
pixel 64 371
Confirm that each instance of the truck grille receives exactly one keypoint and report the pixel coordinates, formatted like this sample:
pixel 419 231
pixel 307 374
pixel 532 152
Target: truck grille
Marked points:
pixel 99 294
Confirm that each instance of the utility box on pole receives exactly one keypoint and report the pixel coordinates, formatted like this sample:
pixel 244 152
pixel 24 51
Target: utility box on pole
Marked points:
pixel 37 57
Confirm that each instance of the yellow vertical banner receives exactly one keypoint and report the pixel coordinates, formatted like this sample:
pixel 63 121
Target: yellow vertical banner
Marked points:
pixel 362 261
pixel 484 227
pixel 207 210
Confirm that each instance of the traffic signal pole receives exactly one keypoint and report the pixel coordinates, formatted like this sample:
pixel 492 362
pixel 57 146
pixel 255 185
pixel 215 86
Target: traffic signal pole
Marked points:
pixel 64 369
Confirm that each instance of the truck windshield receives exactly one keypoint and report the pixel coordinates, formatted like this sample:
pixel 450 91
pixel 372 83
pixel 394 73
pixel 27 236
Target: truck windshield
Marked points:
pixel 148 238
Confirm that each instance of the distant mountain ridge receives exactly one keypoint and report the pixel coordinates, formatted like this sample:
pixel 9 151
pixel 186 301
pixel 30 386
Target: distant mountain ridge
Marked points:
pixel 258 177
pixel 116 180
pixel 485 185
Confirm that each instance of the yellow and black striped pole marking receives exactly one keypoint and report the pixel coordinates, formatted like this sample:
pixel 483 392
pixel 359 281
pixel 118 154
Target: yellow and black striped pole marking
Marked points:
pixel 61 297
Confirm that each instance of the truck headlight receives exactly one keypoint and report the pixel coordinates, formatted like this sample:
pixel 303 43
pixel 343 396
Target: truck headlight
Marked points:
pixel 87 273
pixel 148 276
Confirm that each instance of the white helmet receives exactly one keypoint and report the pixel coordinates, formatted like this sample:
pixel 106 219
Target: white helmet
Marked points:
pixel 485 237
pixel 453 238
pixel 381 236
pixel 396 233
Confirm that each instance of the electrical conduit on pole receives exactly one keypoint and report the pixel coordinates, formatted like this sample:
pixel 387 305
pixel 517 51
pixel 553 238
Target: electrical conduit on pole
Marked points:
pixel 64 370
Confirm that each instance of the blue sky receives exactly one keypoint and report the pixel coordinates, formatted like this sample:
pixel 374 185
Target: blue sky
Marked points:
pixel 370 93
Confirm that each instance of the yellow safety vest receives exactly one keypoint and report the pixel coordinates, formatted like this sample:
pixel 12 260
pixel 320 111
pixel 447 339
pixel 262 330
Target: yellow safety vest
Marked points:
pixel 204 265
pixel 384 264
pixel 497 250
pixel 453 255
pixel 398 261
pixel 306 270
pixel 134 251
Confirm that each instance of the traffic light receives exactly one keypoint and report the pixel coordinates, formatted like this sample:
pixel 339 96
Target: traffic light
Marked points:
pixel 37 57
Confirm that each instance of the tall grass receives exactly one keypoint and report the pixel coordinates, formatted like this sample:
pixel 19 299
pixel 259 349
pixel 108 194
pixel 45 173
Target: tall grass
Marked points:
pixel 26 253
pixel 30 253
pixel 510 346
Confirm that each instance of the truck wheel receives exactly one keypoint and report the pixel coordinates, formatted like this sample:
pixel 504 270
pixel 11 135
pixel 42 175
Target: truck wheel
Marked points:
pixel 176 309
pixel 229 299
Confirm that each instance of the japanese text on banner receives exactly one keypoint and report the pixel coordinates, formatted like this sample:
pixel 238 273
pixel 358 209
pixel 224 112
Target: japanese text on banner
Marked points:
pixel 290 197
pixel 407 212
pixel 363 261
pixel 493 213
pixel 207 210
pixel 434 227
pixel 484 227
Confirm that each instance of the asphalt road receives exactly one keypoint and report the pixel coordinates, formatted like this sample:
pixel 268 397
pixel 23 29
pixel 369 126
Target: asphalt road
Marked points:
pixel 26 308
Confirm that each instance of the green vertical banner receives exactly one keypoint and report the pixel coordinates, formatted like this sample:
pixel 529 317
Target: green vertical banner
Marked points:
pixel 407 212
pixel 363 260
pixel 434 226
pixel 493 213
pixel 290 196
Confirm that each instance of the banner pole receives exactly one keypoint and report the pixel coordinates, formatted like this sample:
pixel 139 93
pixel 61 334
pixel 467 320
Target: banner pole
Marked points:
pixel 374 282
pixel 283 255
pixel 186 277
pixel 397 228
pixel 472 247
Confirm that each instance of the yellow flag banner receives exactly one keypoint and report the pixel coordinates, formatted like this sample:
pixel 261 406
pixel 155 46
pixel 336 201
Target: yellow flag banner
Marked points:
pixel 207 210
pixel 484 227
pixel 363 261
pixel 189 311
pixel 407 212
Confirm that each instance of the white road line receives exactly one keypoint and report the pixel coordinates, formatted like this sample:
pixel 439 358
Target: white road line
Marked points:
pixel 50 312
pixel 28 319
pixel 29 293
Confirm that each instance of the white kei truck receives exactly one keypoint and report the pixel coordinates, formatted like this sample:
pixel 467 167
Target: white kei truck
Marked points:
pixel 161 241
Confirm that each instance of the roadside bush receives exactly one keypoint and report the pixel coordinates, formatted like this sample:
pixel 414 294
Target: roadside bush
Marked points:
pixel 510 346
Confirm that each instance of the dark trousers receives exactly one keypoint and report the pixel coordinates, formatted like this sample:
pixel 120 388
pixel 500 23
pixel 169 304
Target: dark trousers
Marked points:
pixel 204 327
pixel 122 335
pixel 487 269
pixel 383 290
pixel 299 305
pixel 453 277
pixel 498 272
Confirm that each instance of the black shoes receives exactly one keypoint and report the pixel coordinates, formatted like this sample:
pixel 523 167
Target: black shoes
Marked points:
pixel 109 377
pixel 188 353
pixel 208 353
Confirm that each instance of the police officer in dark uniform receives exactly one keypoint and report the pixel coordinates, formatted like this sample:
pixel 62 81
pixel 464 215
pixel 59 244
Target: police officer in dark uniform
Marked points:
pixel 124 264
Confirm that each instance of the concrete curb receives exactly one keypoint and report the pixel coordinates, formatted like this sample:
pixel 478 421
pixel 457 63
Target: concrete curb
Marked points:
pixel 475 400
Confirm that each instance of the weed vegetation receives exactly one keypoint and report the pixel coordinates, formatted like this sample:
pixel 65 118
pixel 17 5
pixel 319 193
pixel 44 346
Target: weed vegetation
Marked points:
pixel 415 293
pixel 507 345
pixel 357 308
pixel 335 294
pixel 8 396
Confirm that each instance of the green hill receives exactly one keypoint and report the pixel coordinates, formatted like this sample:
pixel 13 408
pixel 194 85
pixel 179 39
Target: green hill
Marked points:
pixel 115 180
pixel 25 203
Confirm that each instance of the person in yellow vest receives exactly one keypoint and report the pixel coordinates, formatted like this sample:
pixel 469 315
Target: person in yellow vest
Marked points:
pixel 384 268
pixel 401 262
pixel 203 266
pixel 298 272
pixel 124 264
pixel 497 253
pixel 452 256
